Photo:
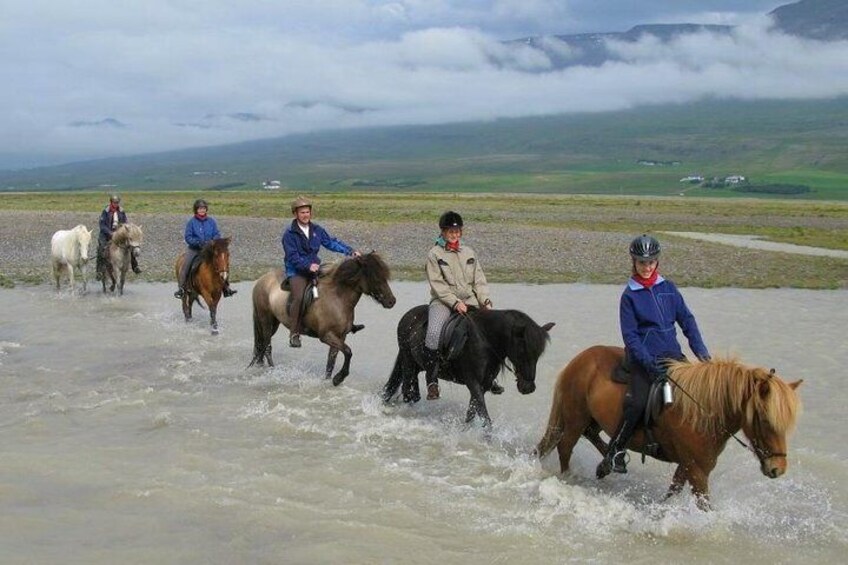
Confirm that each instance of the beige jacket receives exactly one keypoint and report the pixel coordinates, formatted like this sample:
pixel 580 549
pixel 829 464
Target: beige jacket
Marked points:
pixel 456 277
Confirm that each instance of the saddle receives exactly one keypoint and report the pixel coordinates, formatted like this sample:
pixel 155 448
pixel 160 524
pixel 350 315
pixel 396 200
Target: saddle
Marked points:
pixel 453 336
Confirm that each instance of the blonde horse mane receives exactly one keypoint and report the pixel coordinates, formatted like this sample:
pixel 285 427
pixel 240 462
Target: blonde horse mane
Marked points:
pixel 125 233
pixel 723 387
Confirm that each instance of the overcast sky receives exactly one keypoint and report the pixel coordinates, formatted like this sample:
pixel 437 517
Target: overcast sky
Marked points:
pixel 96 78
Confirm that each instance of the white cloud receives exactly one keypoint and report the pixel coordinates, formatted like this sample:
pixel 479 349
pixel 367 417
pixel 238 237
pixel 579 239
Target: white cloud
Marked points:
pixel 175 72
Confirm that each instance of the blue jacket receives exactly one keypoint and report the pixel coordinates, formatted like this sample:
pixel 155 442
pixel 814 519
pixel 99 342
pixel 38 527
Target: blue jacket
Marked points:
pixel 198 232
pixel 106 223
pixel 648 316
pixel 302 252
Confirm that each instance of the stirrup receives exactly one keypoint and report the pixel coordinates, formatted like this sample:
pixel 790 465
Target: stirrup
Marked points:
pixel 229 292
pixel 612 462
pixel 180 294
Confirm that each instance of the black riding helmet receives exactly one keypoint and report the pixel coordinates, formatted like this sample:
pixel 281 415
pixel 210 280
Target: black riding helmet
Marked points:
pixel 645 248
pixel 450 219
pixel 200 203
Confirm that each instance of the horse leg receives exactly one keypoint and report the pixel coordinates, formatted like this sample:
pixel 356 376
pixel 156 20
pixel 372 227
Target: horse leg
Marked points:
pixel 593 434
pixel 677 482
pixel 71 277
pixel 121 278
pixel 699 481
pixel 213 318
pixel 337 342
pixel 331 362
pixel 83 277
pixel 477 405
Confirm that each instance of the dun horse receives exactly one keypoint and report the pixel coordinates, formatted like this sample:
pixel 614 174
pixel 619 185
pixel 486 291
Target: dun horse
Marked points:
pixel 207 279
pixel 125 242
pixel 713 400
pixel 494 337
pixel 69 249
pixel 330 318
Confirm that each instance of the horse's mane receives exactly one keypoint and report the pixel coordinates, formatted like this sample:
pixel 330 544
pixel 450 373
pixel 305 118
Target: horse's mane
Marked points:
pixel 125 233
pixel 527 340
pixel 722 385
pixel 208 251
pixel 369 267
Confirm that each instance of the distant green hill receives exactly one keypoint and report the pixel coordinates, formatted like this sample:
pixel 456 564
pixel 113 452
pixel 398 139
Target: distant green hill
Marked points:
pixel 646 150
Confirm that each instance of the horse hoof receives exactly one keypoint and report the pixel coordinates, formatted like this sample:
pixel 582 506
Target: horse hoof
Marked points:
pixel 214 331
pixel 339 379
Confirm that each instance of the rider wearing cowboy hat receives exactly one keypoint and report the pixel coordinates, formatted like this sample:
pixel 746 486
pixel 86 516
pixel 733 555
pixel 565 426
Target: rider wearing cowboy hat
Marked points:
pixel 302 240
pixel 200 229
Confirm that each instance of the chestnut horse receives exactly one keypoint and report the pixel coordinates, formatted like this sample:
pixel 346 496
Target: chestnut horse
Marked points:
pixel 712 401
pixel 125 243
pixel 330 318
pixel 207 280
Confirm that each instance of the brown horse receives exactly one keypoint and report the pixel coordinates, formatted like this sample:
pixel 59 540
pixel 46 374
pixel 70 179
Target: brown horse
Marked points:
pixel 712 401
pixel 330 318
pixel 208 279
pixel 125 243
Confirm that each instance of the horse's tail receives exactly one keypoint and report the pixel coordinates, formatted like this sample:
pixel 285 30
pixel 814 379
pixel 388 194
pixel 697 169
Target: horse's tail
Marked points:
pixel 556 424
pixel 261 341
pixel 395 379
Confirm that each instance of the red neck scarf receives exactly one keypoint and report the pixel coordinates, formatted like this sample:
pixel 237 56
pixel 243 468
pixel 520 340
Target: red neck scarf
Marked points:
pixel 452 246
pixel 650 281
pixel 199 217
pixel 113 207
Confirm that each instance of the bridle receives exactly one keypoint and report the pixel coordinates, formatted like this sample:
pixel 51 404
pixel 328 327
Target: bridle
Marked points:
pixel 762 454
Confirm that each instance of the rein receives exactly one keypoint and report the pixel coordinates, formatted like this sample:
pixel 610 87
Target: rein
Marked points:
pixel 760 453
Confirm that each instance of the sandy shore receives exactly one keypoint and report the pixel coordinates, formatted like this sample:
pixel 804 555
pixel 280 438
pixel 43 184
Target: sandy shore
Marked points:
pixel 508 251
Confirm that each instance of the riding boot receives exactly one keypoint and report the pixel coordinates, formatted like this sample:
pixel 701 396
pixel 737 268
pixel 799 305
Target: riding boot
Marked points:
pixel 180 293
pixel 496 388
pixel 134 264
pixel 616 458
pixel 432 361
pixel 227 290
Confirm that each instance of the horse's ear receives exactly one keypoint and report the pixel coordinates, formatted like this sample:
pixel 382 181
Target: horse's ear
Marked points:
pixel 771 372
pixel 796 384
pixel 547 327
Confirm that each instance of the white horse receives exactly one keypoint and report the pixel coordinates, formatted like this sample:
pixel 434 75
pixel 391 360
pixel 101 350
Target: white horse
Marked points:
pixel 69 249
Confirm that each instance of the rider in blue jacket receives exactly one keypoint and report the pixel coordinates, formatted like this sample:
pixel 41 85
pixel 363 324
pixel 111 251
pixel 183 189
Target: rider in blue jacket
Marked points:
pixel 301 242
pixel 200 229
pixel 649 308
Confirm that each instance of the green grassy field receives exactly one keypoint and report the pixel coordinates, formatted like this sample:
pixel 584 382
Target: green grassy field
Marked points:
pixel 796 142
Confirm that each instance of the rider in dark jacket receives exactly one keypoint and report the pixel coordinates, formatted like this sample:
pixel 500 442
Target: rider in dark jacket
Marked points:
pixel 111 217
pixel 200 229
pixel 649 308
pixel 301 242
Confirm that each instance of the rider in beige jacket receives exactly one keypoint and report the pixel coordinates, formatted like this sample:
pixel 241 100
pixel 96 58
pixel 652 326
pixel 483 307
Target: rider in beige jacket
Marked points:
pixel 456 282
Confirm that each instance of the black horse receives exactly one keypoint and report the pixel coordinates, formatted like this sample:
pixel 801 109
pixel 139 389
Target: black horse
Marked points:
pixel 494 336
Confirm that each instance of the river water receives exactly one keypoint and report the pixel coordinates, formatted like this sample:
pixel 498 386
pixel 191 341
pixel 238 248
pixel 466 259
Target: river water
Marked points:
pixel 129 436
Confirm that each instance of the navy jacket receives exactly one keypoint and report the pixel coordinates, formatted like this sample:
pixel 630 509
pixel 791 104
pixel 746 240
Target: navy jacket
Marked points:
pixel 648 316
pixel 106 223
pixel 198 232
pixel 302 252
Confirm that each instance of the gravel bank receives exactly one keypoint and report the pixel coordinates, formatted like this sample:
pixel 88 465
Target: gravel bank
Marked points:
pixel 508 251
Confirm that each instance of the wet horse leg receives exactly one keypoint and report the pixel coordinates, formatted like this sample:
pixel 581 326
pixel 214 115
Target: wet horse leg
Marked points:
pixel 338 343
pixel 331 362
pixel 677 482
pixel 477 404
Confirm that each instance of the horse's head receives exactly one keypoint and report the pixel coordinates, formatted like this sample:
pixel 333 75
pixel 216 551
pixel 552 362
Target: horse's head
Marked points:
pixel 84 239
pixel 129 236
pixel 526 344
pixel 370 275
pixel 219 255
pixel 770 415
